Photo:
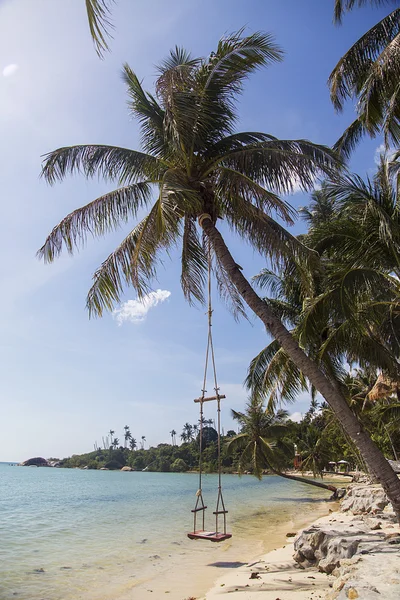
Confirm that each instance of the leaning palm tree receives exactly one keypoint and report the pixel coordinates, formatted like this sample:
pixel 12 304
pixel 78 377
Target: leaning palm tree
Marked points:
pixel 200 171
pixel 257 444
pixel 369 73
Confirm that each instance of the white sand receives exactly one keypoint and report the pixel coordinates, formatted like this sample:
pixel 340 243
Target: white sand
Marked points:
pixel 275 576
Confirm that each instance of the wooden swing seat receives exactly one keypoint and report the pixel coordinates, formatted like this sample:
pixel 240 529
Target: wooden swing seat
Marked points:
pixel 211 536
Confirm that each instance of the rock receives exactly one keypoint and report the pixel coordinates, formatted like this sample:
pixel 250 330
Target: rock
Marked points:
pixel 373 577
pixel 38 461
pixel 291 534
pixel 373 524
pixel 352 593
pixel 340 493
pixel 327 545
pixel 126 468
pixel 363 499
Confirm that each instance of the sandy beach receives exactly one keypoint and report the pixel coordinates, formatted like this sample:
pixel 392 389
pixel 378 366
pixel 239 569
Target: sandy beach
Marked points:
pixel 275 575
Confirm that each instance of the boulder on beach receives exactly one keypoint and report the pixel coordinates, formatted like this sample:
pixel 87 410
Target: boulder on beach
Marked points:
pixel 38 461
pixel 126 468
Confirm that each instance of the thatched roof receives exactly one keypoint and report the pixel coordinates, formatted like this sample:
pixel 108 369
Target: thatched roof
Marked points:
pixel 383 388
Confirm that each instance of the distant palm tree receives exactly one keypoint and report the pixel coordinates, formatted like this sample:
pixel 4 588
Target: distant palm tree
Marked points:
pixel 115 443
pixel 127 435
pixel 184 436
pixel 173 434
pixel 132 443
pixel 188 429
pixel 111 432
pixel 143 441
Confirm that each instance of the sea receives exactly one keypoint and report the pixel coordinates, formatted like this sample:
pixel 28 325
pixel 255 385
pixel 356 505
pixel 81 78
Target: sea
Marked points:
pixel 68 534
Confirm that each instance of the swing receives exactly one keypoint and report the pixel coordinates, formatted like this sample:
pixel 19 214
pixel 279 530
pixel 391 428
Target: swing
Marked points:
pixel 200 507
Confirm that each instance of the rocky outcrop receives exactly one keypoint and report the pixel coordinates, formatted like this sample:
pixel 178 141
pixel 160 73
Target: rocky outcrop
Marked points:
pixel 327 545
pixel 362 551
pixel 38 461
pixel 126 468
pixel 369 577
pixel 362 499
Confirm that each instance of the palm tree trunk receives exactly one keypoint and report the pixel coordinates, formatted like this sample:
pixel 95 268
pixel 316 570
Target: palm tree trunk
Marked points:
pixel 376 462
pixel 324 486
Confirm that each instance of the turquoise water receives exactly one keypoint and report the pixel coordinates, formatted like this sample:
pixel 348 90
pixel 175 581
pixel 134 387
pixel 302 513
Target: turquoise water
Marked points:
pixel 68 533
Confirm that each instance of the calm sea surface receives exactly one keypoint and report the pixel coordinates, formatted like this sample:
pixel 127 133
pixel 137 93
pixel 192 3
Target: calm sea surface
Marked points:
pixel 68 534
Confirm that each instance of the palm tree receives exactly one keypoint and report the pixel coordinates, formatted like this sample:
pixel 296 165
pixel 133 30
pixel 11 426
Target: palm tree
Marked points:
pixel 188 429
pixel 111 432
pixel 173 434
pixel 143 441
pixel 203 171
pixel 369 72
pixel 257 444
pixel 115 443
pixel 314 451
pixel 184 436
pixel 132 443
pixel 127 435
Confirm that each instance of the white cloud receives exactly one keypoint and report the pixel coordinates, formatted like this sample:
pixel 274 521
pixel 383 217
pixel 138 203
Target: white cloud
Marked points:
pixel 136 311
pixel 10 70
pixel 381 150
pixel 296 417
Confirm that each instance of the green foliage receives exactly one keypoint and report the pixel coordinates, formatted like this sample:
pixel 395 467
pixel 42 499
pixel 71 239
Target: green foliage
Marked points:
pixel 344 308
pixel 179 466
pixel 369 74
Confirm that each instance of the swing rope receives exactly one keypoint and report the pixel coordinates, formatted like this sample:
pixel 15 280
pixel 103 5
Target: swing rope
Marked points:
pixel 210 354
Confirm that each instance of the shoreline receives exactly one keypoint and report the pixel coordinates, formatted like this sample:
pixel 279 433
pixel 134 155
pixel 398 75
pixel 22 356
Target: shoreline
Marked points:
pixel 275 574
pixel 370 570
pixel 225 560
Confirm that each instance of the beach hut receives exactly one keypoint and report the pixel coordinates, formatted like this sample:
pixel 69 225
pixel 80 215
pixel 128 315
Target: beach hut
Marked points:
pixel 343 466
pixel 332 466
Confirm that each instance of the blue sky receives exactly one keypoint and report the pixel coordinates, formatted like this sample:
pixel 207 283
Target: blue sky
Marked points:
pixel 65 380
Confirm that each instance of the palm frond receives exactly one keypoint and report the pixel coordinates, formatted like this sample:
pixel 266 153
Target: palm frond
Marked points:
pixel 97 218
pixel 281 164
pixel 349 140
pixel 235 58
pixel 231 183
pixel 194 263
pixel 342 6
pixel 270 281
pixel 273 377
pixel 150 115
pixel 265 234
pixel 134 261
pixel 109 162
pixel 100 24
pixel 228 291
pixel 353 69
